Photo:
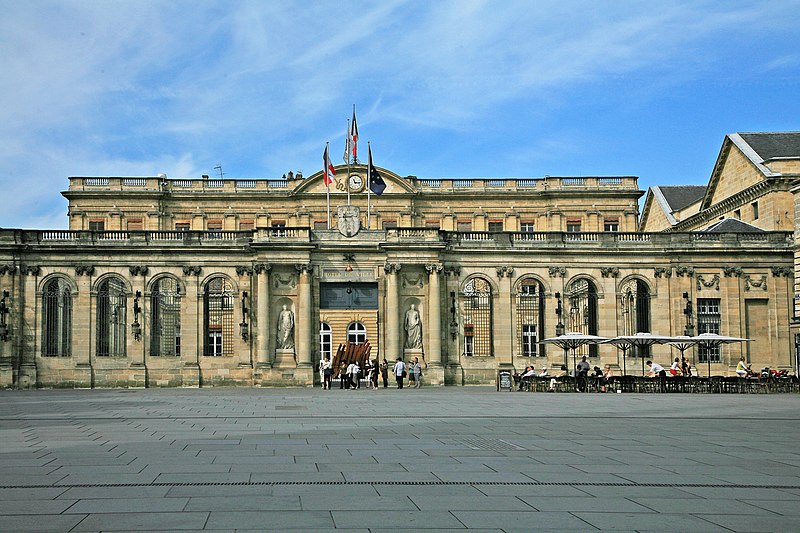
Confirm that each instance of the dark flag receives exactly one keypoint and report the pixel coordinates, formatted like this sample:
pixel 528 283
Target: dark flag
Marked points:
pixel 376 183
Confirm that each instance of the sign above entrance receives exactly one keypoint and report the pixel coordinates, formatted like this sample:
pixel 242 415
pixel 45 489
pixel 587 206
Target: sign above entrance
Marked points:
pixel 339 274
pixel 349 220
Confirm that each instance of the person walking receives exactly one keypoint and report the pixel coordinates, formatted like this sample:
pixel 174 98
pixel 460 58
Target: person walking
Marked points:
pixel 417 374
pixel 399 372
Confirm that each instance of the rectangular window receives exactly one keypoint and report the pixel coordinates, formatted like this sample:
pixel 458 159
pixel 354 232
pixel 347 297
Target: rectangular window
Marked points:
pixel 215 343
pixel 469 340
pixel 573 225
pixel 182 226
pixel 135 224
pixel 97 225
pixel 527 227
pixel 529 340
pixel 320 224
pixel 754 205
pixel 611 225
pixel 246 225
pixel 388 223
pixel 348 295
pixel 464 225
pixel 737 214
pixel 495 225
pixel 214 228
pixel 432 224
pixel 708 321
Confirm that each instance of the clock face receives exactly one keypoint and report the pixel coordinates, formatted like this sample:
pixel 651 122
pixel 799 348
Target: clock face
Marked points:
pixel 356 182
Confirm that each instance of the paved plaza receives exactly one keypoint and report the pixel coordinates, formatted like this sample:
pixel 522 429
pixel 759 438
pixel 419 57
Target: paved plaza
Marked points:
pixel 443 459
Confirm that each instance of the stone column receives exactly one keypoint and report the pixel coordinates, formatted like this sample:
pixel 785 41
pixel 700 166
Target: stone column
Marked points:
pixel 82 320
pixel 137 348
pixel 262 313
pixel 191 328
pixel 27 369
pixel 434 315
pixel 304 316
pixel 503 327
pixel 393 340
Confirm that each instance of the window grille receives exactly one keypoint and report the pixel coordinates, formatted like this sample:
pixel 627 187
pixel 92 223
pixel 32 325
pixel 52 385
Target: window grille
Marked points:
pixel 477 317
pixel 165 318
pixel 708 321
pixel 57 319
pixel 636 312
pixel 219 322
pixel 111 323
pixel 582 300
pixel 530 318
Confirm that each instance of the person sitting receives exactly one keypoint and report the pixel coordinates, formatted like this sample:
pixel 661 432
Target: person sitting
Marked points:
pixel 743 369
pixel 560 374
pixel 686 367
pixel 583 367
pixel 607 375
pixel 526 378
pixel 675 369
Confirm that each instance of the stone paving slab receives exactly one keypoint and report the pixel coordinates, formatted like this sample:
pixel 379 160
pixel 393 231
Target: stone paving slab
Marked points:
pixel 437 459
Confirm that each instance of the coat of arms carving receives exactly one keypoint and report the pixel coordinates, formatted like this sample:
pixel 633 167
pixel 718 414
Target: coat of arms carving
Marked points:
pixel 349 220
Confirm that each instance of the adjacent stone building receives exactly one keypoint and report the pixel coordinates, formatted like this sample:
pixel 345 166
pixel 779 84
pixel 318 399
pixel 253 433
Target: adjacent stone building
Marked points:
pixel 202 282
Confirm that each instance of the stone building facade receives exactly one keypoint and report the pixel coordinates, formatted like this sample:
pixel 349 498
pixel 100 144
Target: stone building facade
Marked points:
pixel 199 282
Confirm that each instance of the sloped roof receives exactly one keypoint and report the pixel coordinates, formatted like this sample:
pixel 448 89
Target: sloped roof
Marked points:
pixel 774 145
pixel 732 225
pixel 680 196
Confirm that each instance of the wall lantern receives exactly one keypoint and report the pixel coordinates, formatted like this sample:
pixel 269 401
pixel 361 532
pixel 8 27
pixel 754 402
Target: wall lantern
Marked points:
pixel 4 310
pixel 136 328
pixel 244 328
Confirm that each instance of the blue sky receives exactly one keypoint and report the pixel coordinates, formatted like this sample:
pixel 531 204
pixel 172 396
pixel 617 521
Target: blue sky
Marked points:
pixel 443 88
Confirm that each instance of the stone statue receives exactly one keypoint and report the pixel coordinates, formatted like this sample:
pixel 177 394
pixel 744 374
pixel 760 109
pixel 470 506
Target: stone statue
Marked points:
pixel 413 326
pixel 285 329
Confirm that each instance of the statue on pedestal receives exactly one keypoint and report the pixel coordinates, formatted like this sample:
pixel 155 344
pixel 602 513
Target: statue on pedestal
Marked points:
pixel 285 329
pixel 413 327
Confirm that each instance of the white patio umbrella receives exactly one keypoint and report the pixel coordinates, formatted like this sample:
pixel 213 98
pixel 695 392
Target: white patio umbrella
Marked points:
pixel 638 339
pixel 712 340
pixel 573 340
pixel 683 343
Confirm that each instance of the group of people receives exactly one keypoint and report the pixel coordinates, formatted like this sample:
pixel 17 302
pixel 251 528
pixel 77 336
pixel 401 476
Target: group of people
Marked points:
pixel 348 374
pixel 582 369
pixel 680 367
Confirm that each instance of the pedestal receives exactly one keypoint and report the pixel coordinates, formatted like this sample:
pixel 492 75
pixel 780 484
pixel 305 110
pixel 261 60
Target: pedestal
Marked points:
pixel 285 359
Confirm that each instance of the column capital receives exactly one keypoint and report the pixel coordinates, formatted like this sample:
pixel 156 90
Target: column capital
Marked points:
pixel 243 270
pixel 192 270
pixel 392 267
pixel 30 270
pixel 8 269
pixel 557 272
pixel 434 268
pixel 303 268
pixel 84 270
pixel 504 271
pixel 138 270
pixel 258 268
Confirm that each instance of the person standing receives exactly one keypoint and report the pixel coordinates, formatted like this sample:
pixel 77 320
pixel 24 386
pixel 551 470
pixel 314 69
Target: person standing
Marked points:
pixel 399 372
pixel 417 374
pixel 327 372
pixel 385 373
pixel 344 377
pixel 374 375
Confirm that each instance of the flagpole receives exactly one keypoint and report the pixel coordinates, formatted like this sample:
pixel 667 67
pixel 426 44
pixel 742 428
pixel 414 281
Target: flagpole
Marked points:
pixel 327 185
pixel 347 183
pixel 369 195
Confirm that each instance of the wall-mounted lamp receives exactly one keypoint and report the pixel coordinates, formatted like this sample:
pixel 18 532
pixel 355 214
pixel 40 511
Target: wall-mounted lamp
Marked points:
pixel 559 313
pixel 453 322
pixel 687 310
pixel 349 258
pixel 4 310
pixel 244 329
pixel 136 328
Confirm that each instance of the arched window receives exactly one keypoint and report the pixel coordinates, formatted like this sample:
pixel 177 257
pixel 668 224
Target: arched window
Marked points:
pixel 477 315
pixel 325 340
pixel 218 313
pixel 165 318
pixel 635 308
pixel 57 319
pixel 356 333
pixel 530 318
pixel 111 323
pixel 582 309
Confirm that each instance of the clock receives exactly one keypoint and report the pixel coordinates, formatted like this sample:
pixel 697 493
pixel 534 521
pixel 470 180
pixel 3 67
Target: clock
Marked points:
pixel 356 182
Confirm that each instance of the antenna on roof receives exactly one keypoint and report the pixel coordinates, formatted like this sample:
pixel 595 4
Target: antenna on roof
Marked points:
pixel 219 168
